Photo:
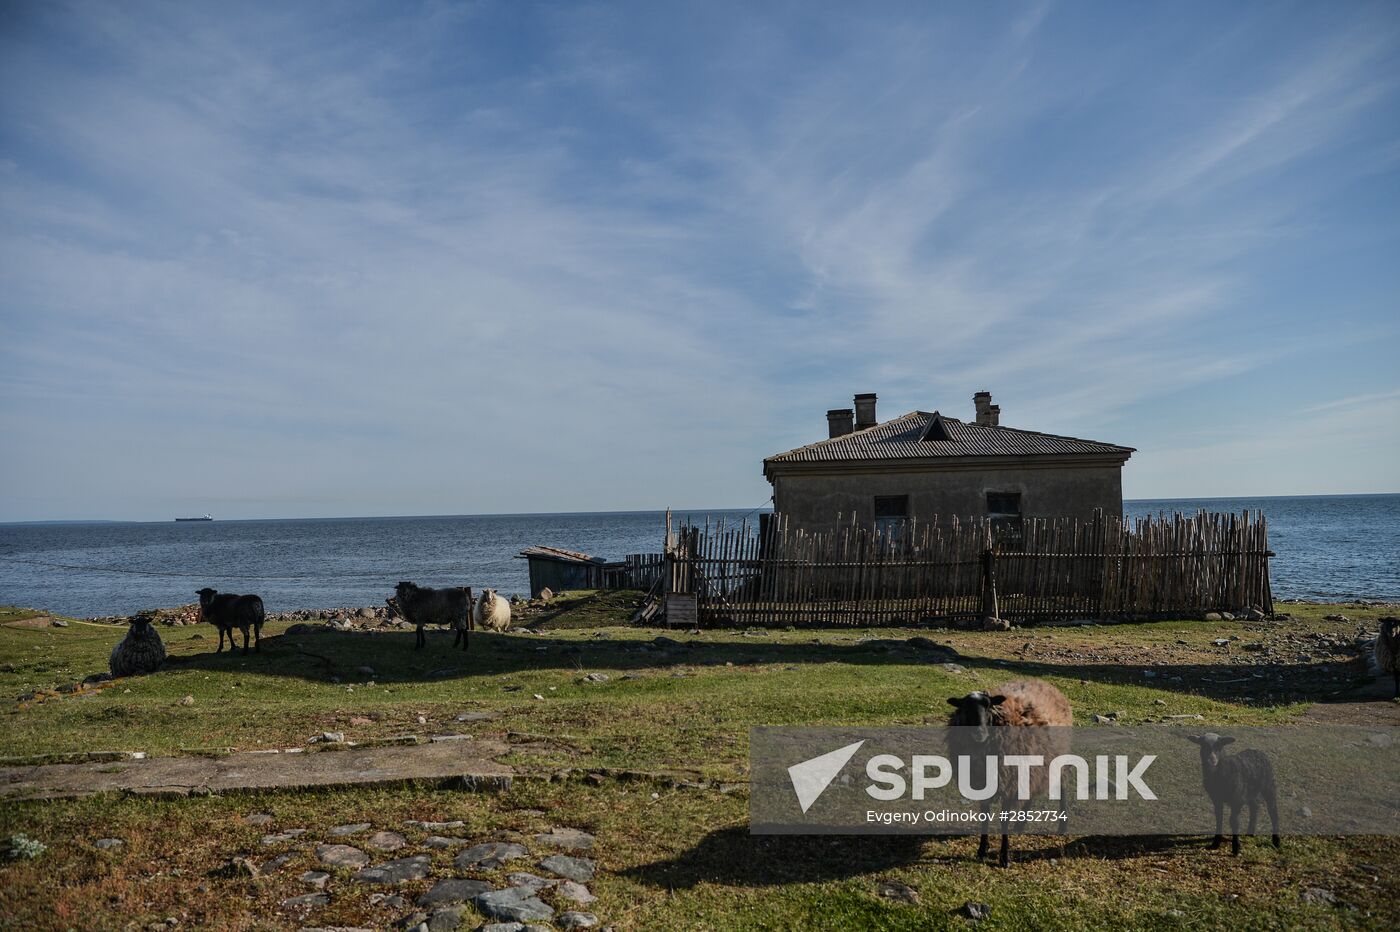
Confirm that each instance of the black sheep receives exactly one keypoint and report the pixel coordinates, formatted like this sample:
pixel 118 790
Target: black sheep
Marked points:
pixel 451 606
pixel 226 611
pixel 1237 781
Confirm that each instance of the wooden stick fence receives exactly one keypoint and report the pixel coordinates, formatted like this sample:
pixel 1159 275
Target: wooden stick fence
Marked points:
pixel 1107 567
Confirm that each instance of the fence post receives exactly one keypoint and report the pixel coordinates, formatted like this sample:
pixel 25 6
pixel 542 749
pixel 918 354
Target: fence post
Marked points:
pixel 989 587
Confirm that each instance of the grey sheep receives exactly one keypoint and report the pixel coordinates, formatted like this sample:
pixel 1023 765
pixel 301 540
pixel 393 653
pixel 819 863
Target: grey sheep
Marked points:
pixel 141 651
pixel 1237 781
pixel 1385 653
pixel 1020 717
pixel 451 606
pixel 227 611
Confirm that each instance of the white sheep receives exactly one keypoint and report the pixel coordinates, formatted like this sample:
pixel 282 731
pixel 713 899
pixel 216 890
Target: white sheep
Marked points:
pixel 491 611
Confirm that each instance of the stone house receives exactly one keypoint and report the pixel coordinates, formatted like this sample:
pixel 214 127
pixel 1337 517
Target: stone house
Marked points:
pixel 925 465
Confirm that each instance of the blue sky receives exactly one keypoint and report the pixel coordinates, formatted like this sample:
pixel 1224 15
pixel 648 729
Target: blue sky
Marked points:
pixel 405 258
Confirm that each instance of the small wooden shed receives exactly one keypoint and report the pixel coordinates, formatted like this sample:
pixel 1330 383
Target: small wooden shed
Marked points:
pixel 561 570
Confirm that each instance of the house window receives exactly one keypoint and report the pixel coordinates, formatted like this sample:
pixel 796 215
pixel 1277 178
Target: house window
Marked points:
pixel 1004 510
pixel 1004 504
pixel 891 511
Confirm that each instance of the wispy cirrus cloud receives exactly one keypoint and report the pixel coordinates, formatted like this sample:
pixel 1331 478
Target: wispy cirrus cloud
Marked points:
pixel 639 249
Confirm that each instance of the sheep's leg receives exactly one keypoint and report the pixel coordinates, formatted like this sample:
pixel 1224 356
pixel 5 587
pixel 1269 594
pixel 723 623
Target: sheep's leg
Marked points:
pixel 1219 825
pixel 985 844
pixel 1005 858
pixel 466 634
pixel 1253 815
pixel 257 639
pixel 221 641
pixel 421 640
pixel 1271 800
pixel 1235 830
pixel 244 629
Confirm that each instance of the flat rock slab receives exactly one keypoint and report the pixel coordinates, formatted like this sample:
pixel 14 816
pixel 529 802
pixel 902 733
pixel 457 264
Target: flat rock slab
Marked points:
pixel 306 900
pixel 441 841
pixel 517 904
pixel 570 839
pixel 386 841
pixel 577 920
pixel 355 828
pixel 414 868
pixel 491 851
pixel 526 879
pixel 459 763
pixel 579 870
pixel 576 892
pixel 341 856
pixel 454 890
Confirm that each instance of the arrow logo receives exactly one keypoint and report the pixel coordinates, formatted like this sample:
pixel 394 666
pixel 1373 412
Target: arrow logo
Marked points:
pixel 811 777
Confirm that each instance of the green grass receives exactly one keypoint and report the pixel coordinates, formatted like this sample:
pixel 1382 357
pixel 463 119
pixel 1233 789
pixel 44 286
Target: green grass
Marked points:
pixel 680 860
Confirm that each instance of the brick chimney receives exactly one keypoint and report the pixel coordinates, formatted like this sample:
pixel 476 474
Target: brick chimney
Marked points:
pixel 988 414
pixel 865 411
pixel 840 422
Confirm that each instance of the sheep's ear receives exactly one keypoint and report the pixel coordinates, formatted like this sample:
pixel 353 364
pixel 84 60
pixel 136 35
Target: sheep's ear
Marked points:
pixel 1194 739
pixel 954 700
pixel 998 700
pixel 1224 740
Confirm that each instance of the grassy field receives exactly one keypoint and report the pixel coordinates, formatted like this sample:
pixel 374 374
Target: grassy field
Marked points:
pixel 675 854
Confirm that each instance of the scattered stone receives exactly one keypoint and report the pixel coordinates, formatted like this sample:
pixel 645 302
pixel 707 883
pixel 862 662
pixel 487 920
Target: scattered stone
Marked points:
pixel 257 818
pixel 577 920
pixel 1104 719
pixel 570 839
pixel 341 856
pixel 596 678
pixel 187 700
pixel 527 879
pixel 894 890
pixel 446 919
pixel 502 927
pixel 575 892
pixel 975 911
pixel 1318 895
pixel 440 841
pixel 108 843
pixel 579 870
pixel 354 828
pixel 317 879
pixel 490 851
pixel 329 737
pixel 387 900
pixel 386 841
pixel 397 871
pixel 276 863
pixel 453 890
pixel 434 826
pixel 517 904
pixel 1221 642
pixel 306 900
pixel 1213 616
pixel 476 716
pixel 279 837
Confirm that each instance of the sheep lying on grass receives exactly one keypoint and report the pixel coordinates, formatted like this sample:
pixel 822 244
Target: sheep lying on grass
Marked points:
pixel 1238 780
pixel 226 611
pixel 491 611
pixel 141 651
pixel 421 606
pixel 1020 717
pixel 1385 653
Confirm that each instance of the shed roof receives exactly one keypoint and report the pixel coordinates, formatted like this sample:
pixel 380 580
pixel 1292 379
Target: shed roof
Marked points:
pixel 923 435
pixel 557 554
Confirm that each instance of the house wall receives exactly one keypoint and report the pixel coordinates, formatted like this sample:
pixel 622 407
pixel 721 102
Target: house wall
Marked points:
pixel 816 500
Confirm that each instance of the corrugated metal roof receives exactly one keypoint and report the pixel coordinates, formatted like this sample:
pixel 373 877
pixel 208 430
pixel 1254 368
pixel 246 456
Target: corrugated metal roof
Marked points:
pixel 903 439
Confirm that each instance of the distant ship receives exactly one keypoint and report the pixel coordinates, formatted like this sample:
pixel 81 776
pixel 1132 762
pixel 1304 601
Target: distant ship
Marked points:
pixel 203 518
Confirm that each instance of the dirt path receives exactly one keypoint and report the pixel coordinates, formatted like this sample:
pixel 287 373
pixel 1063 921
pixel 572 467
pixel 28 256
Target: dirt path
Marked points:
pixel 468 763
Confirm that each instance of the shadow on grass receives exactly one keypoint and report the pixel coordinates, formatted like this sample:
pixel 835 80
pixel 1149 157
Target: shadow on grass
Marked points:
pixel 733 857
pixel 325 656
